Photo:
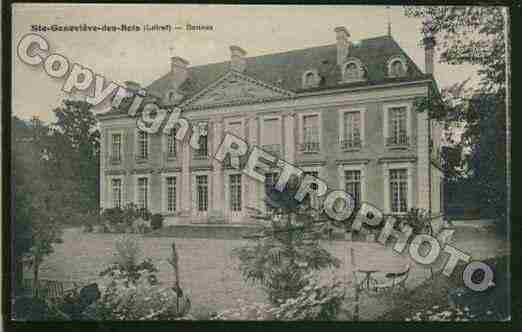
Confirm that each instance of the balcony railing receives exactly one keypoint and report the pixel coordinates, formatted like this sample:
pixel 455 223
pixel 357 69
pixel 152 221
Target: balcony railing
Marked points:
pixel 170 155
pixel 351 144
pixel 114 159
pixel 141 158
pixel 308 147
pixel 398 141
pixel 274 149
pixel 200 155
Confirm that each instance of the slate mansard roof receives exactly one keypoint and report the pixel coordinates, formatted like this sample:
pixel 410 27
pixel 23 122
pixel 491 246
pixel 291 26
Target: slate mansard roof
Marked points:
pixel 285 70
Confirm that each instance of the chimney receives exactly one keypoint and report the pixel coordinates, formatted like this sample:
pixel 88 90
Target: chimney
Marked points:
pixel 132 86
pixel 178 67
pixel 237 58
pixel 343 44
pixel 429 52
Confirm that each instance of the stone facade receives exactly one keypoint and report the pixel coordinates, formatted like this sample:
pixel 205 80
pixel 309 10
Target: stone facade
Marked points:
pixel 364 136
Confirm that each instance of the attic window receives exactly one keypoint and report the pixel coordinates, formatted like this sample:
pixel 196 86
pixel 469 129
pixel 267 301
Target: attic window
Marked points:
pixel 311 79
pixel 172 97
pixel 397 67
pixel 353 70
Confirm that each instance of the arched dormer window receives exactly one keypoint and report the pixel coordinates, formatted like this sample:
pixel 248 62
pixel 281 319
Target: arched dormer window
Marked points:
pixel 311 79
pixel 397 67
pixel 353 70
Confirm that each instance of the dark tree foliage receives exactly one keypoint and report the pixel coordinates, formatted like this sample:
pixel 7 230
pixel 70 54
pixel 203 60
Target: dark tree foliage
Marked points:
pixel 287 247
pixel 76 146
pixel 476 36
pixel 55 180
pixel 34 207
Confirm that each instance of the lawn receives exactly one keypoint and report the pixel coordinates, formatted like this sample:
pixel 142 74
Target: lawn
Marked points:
pixel 209 273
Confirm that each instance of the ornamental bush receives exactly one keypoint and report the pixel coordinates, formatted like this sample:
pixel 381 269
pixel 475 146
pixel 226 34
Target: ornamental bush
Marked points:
pixel 287 249
pixel 418 219
pixel 156 221
pixel 320 299
pixel 246 310
pixel 112 215
pixel 138 299
pixel 131 291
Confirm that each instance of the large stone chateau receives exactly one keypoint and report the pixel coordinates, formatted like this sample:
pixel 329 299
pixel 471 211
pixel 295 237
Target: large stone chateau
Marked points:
pixel 343 112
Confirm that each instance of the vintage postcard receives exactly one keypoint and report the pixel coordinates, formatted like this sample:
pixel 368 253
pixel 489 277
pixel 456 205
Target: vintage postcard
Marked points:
pixel 236 162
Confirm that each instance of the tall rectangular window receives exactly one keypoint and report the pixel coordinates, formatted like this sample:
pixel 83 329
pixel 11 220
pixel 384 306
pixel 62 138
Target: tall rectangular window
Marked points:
pixel 399 190
pixel 311 128
pixel 353 184
pixel 235 192
pixel 171 143
pixel 397 126
pixel 270 182
pixel 116 193
pixel 143 193
pixel 352 130
pixel 171 194
pixel 271 179
pixel 116 148
pixel 202 152
pixel 202 192
pixel 143 145
pixel 272 136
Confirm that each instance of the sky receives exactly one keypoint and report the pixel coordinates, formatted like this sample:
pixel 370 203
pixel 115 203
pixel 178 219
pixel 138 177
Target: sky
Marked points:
pixel 145 56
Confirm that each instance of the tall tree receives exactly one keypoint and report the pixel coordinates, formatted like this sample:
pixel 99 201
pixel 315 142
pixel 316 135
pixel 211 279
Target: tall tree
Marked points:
pixel 75 152
pixel 473 35
pixel 34 221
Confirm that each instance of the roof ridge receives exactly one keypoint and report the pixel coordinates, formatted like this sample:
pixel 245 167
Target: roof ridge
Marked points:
pixel 295 50
pixel 287 66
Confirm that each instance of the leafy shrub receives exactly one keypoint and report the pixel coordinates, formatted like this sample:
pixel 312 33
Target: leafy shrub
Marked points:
pixel 139 300
pixel 320 299
pixel 440 313
pixel 33 308
pixel 417 219
pixel 156 221
pixel 286 249
pixel 125 264
pixel 246 311
pixel 145 214
pixel 117 220
pixel 131 212
pixel 112 215
pixel 89 221
pixel 77 301
pixel 131 291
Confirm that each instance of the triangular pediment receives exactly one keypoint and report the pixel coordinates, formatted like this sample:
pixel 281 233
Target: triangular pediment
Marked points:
pixel 235 88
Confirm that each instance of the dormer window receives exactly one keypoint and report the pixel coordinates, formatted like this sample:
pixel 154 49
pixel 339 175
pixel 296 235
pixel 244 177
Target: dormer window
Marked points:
pixel 353 70
pixel 311 79
pixel 172 97
pixel 397 67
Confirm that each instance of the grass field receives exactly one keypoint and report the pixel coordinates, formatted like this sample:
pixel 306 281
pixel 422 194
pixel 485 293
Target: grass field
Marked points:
pixel 209 274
